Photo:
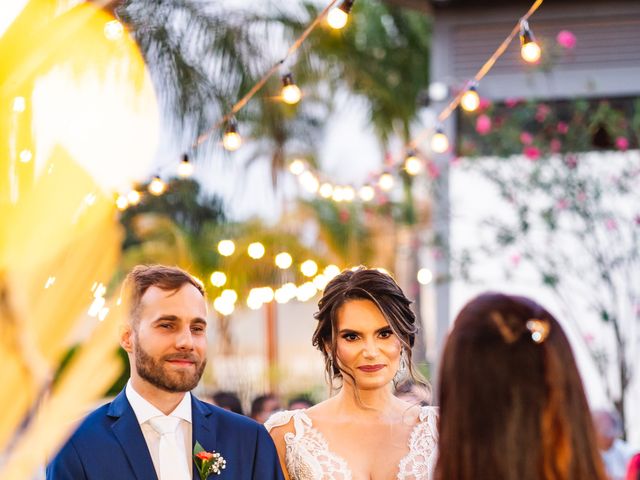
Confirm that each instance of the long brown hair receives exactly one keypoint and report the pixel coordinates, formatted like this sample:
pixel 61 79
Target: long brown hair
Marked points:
pixel 377 287
pixel 512 405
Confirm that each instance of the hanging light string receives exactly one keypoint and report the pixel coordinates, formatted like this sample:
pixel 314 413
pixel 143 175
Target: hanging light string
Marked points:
pixel 256 88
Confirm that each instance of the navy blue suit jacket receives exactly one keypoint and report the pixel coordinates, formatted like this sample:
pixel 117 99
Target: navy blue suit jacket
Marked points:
pixel 109 445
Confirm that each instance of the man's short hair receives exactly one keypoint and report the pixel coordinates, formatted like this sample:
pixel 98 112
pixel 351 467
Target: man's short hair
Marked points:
pixel 142 277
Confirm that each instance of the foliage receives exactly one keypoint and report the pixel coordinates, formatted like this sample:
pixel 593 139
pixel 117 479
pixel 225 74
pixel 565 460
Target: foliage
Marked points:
pixel 572 214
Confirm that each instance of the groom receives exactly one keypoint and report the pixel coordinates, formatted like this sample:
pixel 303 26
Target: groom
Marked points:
pixel 149 430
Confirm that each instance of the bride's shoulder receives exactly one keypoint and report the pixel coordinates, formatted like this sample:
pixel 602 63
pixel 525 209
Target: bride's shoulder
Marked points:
pixel 428 413
pixel 286 420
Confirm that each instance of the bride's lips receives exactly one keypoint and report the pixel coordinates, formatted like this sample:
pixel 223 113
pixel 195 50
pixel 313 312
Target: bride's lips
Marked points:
pixel 371 368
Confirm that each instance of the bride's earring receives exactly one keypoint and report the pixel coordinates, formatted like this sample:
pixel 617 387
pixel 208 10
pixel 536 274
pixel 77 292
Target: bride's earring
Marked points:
pixel 402 366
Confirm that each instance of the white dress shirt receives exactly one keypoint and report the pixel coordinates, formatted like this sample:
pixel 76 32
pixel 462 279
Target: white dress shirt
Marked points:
pixel 144 411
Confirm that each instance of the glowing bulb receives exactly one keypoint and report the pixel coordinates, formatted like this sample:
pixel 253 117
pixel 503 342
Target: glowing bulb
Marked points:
pixel 226 247
pixel 223 306
pixel 338 194
pixel 121 202
pixel 231 140
pixel 439 142
pixel 19 104
pixel 326 190
pixel 113 30
pixel 425 276
pixel 157 186
pixel 185 168
pixel 529 50
pixel 266 294
pixel 412 164
pixel 309 268
pixel 297 167
pixel 306 291
pixel 470 100
pixel 26 156
pixel 320 281
pixel 253 300
pixel 366 193
pixel 291 94
pixel 309 181
pixel 283 260
pixel 218 279
pixel 134 197
pixel 386 182
pixel 256 250
pixel 229 295
pixel 331 271
pixel 281 295
pixel 337 18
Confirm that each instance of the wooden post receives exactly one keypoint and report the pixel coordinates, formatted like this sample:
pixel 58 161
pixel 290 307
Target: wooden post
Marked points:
pixel 271 330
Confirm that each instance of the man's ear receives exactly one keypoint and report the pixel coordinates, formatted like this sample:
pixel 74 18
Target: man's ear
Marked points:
pixel 126 331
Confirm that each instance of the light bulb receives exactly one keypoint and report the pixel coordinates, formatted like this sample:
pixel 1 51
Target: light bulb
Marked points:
pixel 326 190
pixel 366 193
pixel 439 142
pixel 424 276
pixel 309 268
pixel 291 94
pixel 113 30
pixel 157 186
pixel 185 168
pixel 226 247
pixel 470 100
pixel 296 167
pixel 134 197
pixel 337 18
pixel 218 279
pixel 283 260
pixel 121 202
pixel 256 250
pixel 412 164
pixel 529 50
pixel 231 140
pixel 385 182
pixel 19 104
pixel 26 156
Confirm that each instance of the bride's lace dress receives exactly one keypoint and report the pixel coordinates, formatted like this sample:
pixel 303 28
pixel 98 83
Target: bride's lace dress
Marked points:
pixel 308 456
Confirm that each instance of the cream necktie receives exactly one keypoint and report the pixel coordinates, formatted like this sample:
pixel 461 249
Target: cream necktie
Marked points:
pixel 172 460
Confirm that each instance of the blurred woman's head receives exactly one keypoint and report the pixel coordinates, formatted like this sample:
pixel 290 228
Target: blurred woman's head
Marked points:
pixel 365 329
pixel 512 405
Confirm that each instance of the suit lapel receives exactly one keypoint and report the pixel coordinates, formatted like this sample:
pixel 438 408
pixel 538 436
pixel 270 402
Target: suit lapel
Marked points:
pixel 204 428
pixel 127 430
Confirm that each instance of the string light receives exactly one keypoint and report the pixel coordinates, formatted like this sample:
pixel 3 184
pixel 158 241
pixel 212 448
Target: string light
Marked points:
pixel 309 268
pixel 26 156
pixel 309 181
pixel 283 260
pixel 529 48
pixel 412 163
pixel 290 92
pixel 256 250
pixel 122 203
pixel 231 139
pixel 226 247
pixel 326 190
pixel 424 276
pixel 218 279
pixel 366 193
pixel 223 306
pixel 134 197
pixel 157 186
pixel 19 104
pixel 229 295
pixel 113 30
pixel 348 193
pixel 338 17
pixel 470 100
pixel 385 182
pixel 439 141
pixel 185 168
pixel 296 167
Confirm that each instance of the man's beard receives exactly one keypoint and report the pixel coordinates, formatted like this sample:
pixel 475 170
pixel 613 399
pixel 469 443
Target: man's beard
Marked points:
pixel 153 371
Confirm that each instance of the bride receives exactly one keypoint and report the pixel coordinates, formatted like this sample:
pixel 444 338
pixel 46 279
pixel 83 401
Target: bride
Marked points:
pixel 365 332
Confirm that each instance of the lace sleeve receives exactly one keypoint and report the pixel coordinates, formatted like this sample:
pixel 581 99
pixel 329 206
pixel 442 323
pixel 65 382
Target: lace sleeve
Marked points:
pixel 278 419
pixel 423 448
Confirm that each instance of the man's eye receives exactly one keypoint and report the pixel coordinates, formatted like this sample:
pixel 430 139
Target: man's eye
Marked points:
pixel 197 329
pixel 165 325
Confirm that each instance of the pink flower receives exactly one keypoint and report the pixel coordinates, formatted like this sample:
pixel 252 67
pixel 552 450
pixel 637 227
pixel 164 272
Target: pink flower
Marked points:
pixel 541 112
pixel 512 102
pixel 562 204
pixel 555 145
pixel 622 143
pixel 563 128
pixel 611 224
pixel 526 138
pixel 484 103
pixel 483 124
pixel 532 153
pixel 566 39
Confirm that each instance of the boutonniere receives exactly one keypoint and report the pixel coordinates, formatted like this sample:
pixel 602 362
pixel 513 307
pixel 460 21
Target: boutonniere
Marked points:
pixel 208 463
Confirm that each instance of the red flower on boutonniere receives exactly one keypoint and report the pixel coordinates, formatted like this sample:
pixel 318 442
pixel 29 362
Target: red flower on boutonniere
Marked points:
pixel 208 463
